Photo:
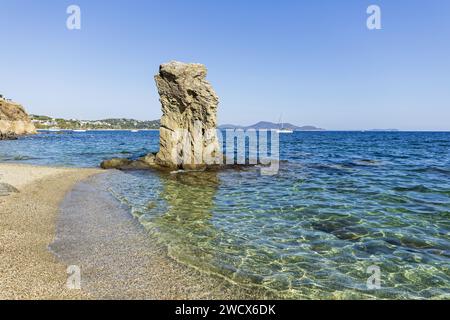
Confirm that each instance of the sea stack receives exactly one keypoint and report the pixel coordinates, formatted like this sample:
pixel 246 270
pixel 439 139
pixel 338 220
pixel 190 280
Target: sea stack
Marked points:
pixel 188 136
pixel 188 131
pixel 14 120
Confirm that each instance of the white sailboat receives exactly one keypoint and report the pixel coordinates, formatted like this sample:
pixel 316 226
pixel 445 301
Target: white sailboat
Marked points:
pixel 282 128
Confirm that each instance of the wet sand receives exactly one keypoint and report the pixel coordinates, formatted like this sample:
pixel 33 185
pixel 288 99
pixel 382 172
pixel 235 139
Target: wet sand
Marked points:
pixel 29 204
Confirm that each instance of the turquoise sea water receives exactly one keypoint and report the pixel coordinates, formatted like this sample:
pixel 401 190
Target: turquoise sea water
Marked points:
pixel 342 202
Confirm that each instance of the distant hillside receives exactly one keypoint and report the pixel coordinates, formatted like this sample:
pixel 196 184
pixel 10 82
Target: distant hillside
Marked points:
pixel 271 125
pixel 45 122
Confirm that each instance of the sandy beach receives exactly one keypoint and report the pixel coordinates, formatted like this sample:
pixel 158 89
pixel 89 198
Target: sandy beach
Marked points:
pixel 28 270
pixel 51 218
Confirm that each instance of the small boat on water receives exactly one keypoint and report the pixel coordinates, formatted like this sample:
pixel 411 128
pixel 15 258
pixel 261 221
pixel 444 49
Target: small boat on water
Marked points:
pixel 79 130
pixel 134 130
pixel 54 130
pixel 282 128
pixel 285 131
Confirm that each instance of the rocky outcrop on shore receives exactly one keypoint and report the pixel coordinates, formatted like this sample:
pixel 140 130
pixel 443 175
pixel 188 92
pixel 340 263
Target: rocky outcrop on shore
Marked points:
pixel 188 132
pixel 7 136
pixel 188 138
pixel 14 120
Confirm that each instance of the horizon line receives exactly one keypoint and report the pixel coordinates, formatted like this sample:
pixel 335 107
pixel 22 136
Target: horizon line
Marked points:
pixel 241 125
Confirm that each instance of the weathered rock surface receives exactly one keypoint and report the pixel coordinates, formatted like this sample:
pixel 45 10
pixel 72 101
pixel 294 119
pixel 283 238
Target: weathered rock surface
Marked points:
pixel 188 136
pixel 7 136
pixel 14 120
pixel 188 132
pixel 126 164
pixel 115 163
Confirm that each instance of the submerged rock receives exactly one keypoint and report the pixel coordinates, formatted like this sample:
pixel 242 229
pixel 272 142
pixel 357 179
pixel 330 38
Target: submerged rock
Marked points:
pixel 14 120
pixel 126 164
pixel 115 163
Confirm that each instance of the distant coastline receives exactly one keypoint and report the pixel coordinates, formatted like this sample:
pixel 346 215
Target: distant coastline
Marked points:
pixel 91 130
pixel 271 125
pixel 49 123
pixel 45 123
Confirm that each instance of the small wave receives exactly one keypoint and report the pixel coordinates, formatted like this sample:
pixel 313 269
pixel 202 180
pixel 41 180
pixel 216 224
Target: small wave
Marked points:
pixel 417 188
pixel 422 189
pixel 349 165
pixel 368 162
pixel 433 170
pixel 186 171
pixel 17 158
pixel 93 153
pixel 331 167
pixel 23 158
pixel 364 163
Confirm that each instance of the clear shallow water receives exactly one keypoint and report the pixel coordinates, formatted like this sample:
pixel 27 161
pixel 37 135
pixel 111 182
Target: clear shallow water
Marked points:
pixel 343 201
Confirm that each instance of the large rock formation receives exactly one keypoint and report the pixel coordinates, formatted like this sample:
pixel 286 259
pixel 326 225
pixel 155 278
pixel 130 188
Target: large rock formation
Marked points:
pixel 14 120
pixel 188 132
pixel 188 136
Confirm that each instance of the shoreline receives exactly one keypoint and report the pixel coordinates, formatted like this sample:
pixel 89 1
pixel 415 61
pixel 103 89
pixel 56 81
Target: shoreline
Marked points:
pixel 29 209
pixel 119 259
pixel 57 217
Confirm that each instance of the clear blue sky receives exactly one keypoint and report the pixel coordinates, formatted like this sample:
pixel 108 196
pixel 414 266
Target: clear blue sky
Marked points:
pixel 313 61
